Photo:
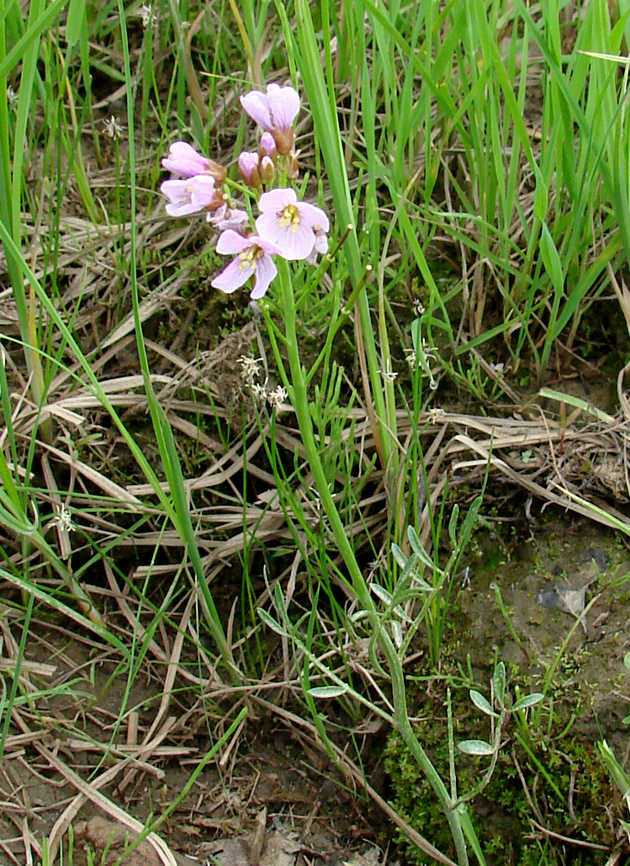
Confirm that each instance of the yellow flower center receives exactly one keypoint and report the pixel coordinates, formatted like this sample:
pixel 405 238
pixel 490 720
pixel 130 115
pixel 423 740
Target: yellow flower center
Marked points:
pixel 290 217
pixel 248 257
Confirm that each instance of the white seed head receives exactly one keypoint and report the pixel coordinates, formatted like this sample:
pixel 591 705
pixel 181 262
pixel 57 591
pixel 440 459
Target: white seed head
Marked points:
pixel 113 127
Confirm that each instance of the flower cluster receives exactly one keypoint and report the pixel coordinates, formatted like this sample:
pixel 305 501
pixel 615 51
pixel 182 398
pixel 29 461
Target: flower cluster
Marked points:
pixel 285 227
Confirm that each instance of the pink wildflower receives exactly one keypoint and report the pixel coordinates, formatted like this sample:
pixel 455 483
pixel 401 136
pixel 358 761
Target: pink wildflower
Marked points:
pixel 319 247
pixel 291 225
pixel 190 195
pixel 184 160
pixel 275 112
pixel 252 258
pixel 226 217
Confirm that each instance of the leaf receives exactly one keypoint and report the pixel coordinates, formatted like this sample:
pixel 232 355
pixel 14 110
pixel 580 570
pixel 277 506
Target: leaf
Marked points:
pixel 551 259
pixel 475 747
pixel 469 521
pixel 397 633
pixel 482 703
pixel 381 593
pixel 418 549
pixel 327 691
pixel 278 600
pixel 541 196
pixel 271 623
pixel 527 701
pixel 498 681
pixel 452 525
pixel 399 556
pixel 76 17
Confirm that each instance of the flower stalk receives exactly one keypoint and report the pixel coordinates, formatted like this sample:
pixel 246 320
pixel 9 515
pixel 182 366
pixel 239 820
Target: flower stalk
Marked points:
pixel 299 398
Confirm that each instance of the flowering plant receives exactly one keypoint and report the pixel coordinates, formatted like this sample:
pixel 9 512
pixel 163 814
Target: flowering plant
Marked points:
pixel 287 228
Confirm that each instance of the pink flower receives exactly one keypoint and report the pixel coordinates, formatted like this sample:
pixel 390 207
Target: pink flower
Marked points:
pixel 319 247
pixel 191 195
pixel 226 217
pixel 291 225
pixel 275 112
pixel 185 161
pixel 253 258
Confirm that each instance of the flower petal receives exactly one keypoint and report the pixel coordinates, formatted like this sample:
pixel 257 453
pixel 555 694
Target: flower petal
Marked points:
pixel 233 276
pixel 203 190
pixel 226 217
pixel 295 240
pixel 231 242
pixel 284 105
pixel 190 195
pixel 184 160
pixel 256 105
pixel 313 216
pixel 276 199
pixel 265 272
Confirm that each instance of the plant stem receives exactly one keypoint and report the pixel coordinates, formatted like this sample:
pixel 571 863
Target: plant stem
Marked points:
pixel 402 724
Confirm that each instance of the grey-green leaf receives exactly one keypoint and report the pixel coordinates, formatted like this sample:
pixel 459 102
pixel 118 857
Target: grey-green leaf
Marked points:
pixel 481 703
pixel 527 701
pixel 271 623
pixel 498 681
pixel 327 691
pixel 475 747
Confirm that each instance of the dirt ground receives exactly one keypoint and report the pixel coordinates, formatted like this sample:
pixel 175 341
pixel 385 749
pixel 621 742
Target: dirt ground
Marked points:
pixel 272 798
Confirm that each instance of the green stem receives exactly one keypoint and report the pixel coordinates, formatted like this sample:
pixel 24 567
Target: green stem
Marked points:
pixel 299 396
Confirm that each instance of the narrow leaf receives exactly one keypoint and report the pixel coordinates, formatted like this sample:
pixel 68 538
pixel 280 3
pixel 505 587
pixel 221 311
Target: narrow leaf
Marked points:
pixel 452 525
pixel 76 17
pixel 399 556
pixel 397 633
pixel 327 691
pixel 382 594
pixel 527 701
pixel 475 747
pixel 498 681
pixel 271 623
pixel 418 549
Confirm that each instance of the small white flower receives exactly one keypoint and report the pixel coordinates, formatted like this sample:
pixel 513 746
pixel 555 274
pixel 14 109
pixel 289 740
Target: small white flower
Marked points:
pixel 316 501
pixel 259 392
pixel 149 17
pixel 418 307
pixel 250 369
pixel 429 352
pixel 410 357
pixel 389 375
pixel 278 396
pixel 113 128
pixel 63 519
pixel 435 413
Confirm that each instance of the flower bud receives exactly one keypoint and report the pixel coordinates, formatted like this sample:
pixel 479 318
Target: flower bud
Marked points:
pixel 267 169
pixel 248 165
pixel 293 168
pixel 183 160
pixel 267 146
